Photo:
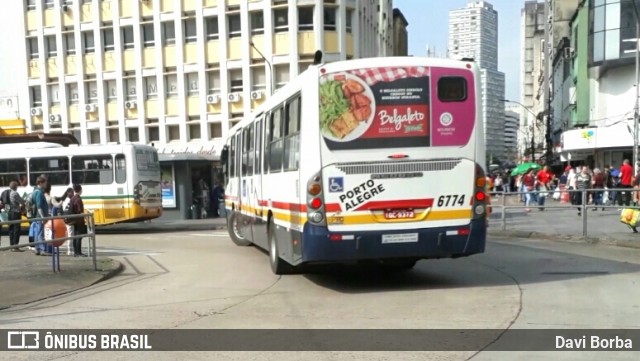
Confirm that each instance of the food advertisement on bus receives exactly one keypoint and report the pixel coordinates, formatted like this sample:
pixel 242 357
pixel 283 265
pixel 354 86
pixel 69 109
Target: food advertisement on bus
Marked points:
pixel 375 108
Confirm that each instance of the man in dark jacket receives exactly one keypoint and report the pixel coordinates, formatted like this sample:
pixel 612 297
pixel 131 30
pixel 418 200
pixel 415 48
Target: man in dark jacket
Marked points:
pixel 77 207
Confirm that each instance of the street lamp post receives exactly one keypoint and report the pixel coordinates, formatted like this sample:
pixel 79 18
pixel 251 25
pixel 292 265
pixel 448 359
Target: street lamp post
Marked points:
pixel 533 127
pixel 268 63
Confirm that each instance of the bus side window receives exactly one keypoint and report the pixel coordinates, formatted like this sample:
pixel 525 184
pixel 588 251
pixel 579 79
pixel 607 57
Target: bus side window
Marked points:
pixel 232 158
pixel 121 169
pixel 292 134
pixel 276 146
pixel 267 140
pixel 13 170
pixel 258 148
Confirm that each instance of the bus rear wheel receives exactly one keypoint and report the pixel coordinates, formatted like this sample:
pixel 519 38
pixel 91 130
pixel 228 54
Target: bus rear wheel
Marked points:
pixel 233 225
pixel 278 265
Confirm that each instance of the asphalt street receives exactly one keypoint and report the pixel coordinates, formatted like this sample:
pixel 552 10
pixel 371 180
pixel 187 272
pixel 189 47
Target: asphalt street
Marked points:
pixel 199 279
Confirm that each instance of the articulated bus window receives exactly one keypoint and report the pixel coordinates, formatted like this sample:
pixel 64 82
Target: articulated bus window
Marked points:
pixel 92 169
pixel 121 169
pixel 55 169
pixel 452 89
pixel 232 158
pixel 13 170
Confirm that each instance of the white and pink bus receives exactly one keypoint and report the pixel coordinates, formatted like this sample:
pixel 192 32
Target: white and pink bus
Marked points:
pixel 377 159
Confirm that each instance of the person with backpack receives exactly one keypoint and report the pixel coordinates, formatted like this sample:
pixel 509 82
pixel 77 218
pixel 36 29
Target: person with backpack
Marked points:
pixel 14 212
pixel 40 209
pixel 76 206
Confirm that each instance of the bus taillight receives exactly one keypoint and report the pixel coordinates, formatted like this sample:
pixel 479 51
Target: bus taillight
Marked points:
pixel 316 203
pixel 481 196
pixel 314 189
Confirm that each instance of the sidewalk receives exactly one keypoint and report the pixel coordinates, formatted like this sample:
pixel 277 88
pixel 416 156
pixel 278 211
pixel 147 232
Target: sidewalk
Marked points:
pixel 165 225
pixel 563 224
pixel 28 278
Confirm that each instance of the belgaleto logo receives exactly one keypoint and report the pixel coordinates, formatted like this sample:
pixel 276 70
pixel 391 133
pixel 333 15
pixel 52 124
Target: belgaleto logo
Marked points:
pixel 398 119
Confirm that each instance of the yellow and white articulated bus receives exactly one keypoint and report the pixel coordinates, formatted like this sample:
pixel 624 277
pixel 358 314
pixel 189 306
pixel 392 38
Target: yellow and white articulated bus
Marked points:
pixel 377 159
pixel 120 182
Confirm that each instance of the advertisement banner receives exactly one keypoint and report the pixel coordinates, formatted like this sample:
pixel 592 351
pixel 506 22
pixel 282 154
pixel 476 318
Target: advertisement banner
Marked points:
pixel 375 108
pixel 168 187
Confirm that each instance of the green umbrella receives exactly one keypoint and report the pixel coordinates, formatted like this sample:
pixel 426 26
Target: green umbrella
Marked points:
pixel 524 168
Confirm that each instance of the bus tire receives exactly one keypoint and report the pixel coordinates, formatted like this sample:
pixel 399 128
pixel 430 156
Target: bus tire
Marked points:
pixel 234 230
pixel 278 265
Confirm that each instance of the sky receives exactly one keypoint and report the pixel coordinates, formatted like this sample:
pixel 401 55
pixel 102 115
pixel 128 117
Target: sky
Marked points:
pixel 428 24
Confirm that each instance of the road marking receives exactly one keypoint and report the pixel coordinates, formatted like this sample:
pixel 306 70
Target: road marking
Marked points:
pixel 209 235
pixel 124 251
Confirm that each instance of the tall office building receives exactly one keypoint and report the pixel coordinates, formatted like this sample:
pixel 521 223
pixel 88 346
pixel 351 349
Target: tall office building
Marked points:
pixel 176 72
pixel 473 33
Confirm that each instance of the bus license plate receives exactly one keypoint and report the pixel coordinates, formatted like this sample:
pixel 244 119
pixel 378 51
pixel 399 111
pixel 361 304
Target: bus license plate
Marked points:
pixel 399 214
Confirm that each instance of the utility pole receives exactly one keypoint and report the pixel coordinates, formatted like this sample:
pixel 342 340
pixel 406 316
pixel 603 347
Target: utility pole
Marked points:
pixel 635 108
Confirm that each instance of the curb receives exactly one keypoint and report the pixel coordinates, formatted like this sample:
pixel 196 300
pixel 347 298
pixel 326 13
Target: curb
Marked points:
pixel 608 241
pixel 164 229
pixel 110 274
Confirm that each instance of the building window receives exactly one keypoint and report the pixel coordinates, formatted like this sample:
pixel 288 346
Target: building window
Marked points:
pixel 36 96
pixel 169 32
pixel 190 33
pixel 130 88
pixel 153 133
pixel 133 134
pixel 211 27
pixel 52 48
pixel 91 90
pixel 330 18
pixel 280 20
pixel 349 20
pixel 151 87
pixel 107 38
pixel 148 36
pixel 31 5
pixel 111 91
pixel 114 136
pixel 49 4
pixel 32 44
pixel 70 43
pixel 192 83
pixel 173 132
pixel 257 22
pixel 171 84
pixel 213 81
pixel 194 131
pixel 282 75
pixel 54 94
pixel 612 34
pixel 72 93
pixel 215 130
pixel 235 80
pixel 234 25
pixel 94 136
pixel 127 37
pixel 258 78
pixel 305 18
pixel 87 39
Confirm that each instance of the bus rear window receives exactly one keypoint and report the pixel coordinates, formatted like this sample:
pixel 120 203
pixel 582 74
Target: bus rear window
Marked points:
pixel 452 89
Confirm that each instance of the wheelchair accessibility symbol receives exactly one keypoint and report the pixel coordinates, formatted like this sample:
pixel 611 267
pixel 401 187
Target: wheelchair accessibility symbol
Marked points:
pixel 336 184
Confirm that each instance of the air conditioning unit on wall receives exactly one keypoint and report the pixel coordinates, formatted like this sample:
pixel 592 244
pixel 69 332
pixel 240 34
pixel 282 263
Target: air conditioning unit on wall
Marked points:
pixel 55 119
pixel 213 99
pixel 130 104
pixel 257 94
pixel 233 97
pixel 90 108
pixel 35 112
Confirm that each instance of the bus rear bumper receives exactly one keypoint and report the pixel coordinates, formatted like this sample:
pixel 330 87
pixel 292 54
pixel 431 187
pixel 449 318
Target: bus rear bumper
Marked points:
pixel 320 245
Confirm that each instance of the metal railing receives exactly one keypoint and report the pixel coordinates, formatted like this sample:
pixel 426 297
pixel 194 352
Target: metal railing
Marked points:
pixel 91 235
pixel 584 204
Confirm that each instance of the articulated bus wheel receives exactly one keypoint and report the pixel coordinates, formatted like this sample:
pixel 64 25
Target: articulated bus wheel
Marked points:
pixel 278 265
pixel 235 233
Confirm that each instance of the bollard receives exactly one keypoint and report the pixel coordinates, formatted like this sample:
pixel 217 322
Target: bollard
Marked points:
pixel 503 215
pixel 583 206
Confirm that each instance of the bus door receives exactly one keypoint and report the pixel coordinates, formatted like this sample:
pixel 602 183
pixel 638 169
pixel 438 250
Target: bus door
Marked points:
pixel 246 178
pixel 257 205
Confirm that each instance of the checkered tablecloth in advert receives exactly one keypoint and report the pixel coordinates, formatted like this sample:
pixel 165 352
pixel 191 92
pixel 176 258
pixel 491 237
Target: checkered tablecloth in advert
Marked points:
pixel 387 74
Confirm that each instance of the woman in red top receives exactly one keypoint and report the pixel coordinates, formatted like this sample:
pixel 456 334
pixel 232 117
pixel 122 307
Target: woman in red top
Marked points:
pixel 528 183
